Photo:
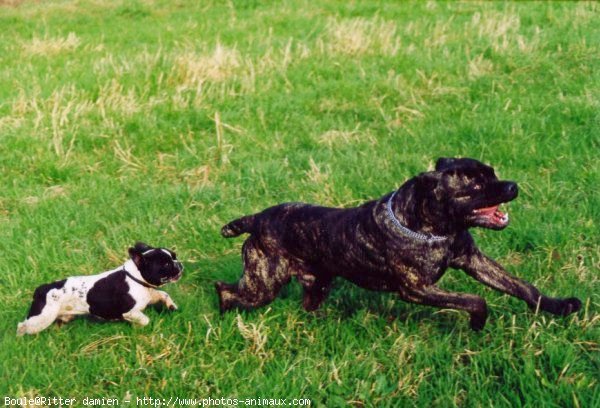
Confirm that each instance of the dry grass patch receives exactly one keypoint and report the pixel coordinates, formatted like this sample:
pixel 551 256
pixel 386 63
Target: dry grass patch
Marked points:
pixel 360 36
pixel 479 66
pixel 318 178
pixel 48 194
pixel 59 116
pixel 440 34
pixel 194 70
pixel 142 63
pixel 226 71
pixel 9 122
pixel 125 155
pixel 196 178
pixel 49 46
pixel 315 174
pixel 113 98
pixel 11 3
pixel 255 334
pixel 501 30
pixel 496 25
pixel 103 342
pixel 339 137
pixel 64 108
pixel 332 137
pixel 584 12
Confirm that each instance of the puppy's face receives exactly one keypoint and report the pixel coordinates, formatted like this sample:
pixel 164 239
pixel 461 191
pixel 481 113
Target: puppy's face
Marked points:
pixel 474 193
pixel 157 265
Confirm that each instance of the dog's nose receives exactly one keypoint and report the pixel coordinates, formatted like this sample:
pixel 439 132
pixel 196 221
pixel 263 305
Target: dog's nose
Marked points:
pixel 511 188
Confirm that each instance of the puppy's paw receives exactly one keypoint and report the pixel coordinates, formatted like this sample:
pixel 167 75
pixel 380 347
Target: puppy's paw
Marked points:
pixel 137 317
pixel 142 320
pixel 172 306
pixel 21 329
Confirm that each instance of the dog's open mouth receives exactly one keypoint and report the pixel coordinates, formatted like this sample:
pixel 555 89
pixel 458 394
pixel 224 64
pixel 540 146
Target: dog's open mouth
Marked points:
pixel 492 215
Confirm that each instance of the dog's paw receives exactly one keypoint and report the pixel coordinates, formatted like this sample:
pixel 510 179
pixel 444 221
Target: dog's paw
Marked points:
pixel 478 321
pixel 142 320
pixel 21 329
pixel 137 317
pixel 172 306
pixel 223 304
pixel 568 306
pixel 559 307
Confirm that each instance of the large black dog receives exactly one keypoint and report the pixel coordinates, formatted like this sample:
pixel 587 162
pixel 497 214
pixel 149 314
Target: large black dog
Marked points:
pixel 403 242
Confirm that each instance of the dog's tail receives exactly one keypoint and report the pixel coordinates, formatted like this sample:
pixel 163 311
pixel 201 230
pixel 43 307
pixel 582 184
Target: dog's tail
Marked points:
pixel 239 226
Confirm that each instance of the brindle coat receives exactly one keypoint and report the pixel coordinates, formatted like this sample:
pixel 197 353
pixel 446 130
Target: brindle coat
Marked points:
pixel 365 246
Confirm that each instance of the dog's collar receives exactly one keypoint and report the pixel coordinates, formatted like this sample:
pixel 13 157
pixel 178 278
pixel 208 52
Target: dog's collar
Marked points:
pixel 429 238
pixel 135 271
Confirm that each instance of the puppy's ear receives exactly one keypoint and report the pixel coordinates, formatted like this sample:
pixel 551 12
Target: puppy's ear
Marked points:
pixel 444 163
pixel 136 256
pixel 142 247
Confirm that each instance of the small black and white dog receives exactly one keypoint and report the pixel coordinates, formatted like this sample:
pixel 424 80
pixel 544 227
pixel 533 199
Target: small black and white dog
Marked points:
pixel 119 294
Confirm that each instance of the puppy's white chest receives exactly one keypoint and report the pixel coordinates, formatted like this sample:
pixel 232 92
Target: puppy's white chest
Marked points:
pixel 140 294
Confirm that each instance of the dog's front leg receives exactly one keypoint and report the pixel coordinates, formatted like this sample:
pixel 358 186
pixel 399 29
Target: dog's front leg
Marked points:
pixel 137 317
pixel 158 296
pixel 492 274
pixel 434 296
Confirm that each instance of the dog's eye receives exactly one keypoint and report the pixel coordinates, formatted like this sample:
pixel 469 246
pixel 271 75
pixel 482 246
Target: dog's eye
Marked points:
pixel 477 187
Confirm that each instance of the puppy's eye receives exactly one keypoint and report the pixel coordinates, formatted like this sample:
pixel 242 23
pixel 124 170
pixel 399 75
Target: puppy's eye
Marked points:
pixel 477 187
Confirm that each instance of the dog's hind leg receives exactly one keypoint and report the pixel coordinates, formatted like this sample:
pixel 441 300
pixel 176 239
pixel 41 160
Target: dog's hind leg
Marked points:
pixel 490 273
pixel 315 286
pixel 264 275
pixel 65 318
pixel 434 296
pixel 39 322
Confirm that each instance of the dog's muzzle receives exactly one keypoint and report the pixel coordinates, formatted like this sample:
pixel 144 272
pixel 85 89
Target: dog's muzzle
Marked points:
pixel 491 216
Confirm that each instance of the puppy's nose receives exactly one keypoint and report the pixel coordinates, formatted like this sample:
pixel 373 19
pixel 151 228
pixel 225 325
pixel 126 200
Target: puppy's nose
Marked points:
pixel 511 188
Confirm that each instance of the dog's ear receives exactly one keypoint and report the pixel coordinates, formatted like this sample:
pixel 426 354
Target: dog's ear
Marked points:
pixel 142 247
pixel 137 255
pixel 429 186
pixel 444 163
pixel 428 182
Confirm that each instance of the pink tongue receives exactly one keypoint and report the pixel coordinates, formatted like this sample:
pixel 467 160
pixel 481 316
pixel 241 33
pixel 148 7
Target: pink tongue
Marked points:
pixel 493 213
pixel 487 210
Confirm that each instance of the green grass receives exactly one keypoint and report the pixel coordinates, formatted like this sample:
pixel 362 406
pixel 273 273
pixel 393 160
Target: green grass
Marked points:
pixel 162 120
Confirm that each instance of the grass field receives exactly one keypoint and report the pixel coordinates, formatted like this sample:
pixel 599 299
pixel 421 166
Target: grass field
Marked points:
pixel 162 120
